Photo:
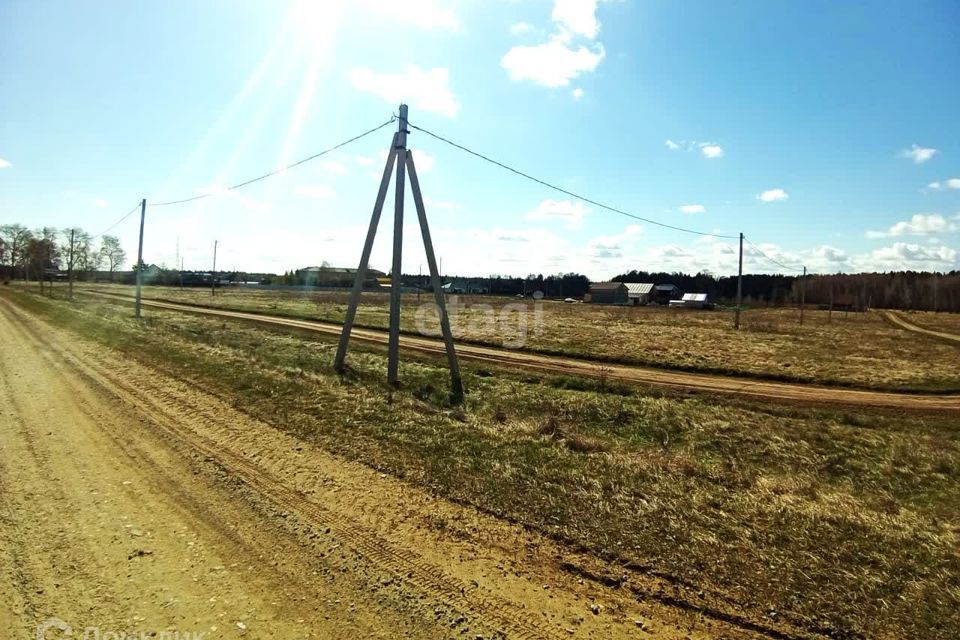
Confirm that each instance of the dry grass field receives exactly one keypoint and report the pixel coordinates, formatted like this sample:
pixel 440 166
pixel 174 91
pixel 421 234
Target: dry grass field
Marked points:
pixel 854 349
pixel 838 525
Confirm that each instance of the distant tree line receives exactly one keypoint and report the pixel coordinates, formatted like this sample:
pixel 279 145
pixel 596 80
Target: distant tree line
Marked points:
pixel 921 290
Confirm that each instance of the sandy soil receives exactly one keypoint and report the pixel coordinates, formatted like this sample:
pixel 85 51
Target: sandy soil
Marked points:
pixel 133 502
pixel 744 387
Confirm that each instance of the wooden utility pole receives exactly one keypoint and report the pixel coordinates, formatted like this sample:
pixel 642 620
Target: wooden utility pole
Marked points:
pixel 400 156
pixel 736 321
pixel 143 214
pixel 803 294
pixel 213 274
pixel 393 345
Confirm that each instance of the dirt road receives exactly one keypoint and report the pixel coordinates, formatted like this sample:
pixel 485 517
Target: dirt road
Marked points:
pixel 131 502
pixel 744 387
pixel 899 321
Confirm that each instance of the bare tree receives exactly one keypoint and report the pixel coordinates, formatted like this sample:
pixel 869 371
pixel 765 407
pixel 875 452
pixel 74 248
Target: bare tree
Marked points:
pixel 41 253
pixel 112 253
pixel 76 251
pixel 14 239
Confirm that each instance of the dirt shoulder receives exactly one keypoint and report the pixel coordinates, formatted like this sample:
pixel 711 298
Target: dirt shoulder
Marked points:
pixel 133 501
pixel 742 387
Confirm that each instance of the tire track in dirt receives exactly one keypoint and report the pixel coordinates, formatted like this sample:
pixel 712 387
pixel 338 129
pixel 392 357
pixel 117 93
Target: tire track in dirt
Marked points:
pixel 504 616
pixel 635 375
pixel 897 320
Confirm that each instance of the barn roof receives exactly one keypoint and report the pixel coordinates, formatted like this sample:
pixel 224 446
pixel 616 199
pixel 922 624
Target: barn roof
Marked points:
pixel 666 287
pixel 639 288
pixel 606 286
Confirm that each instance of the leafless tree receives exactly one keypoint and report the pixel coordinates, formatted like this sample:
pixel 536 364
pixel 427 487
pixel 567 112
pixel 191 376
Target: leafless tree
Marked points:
pixel 112 253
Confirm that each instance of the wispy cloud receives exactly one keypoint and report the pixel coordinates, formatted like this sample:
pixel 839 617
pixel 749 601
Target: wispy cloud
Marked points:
pixel 577 93
pixel 951 183
pixel 773 195
pixel 709 150
pixel 427 89
pixel 520 28
pixel 567 210
pixel 100 203
pixel 693 208
pixel 920 224
pixel 332 166
pixel 918 154
pixel 4 164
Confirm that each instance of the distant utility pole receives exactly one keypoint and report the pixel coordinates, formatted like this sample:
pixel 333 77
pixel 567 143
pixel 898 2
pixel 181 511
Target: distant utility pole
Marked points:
pixel 401 156
pixel 143 214
pixel 736 321
pixel 803 294
pixel 213 274
pixel 181 272
pixel 70 266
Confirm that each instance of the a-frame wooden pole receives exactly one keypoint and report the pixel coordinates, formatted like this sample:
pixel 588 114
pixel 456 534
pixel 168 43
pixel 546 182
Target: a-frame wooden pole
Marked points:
pixel 143 215
pixel 393 345
pixel 456 383
pixel 365 259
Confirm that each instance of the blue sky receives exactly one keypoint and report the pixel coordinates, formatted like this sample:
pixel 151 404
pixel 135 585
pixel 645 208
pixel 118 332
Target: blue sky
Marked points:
pixel 825 131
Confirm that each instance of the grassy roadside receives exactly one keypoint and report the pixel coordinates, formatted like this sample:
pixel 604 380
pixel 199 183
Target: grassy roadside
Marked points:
pixel 836 521
pixel 852 350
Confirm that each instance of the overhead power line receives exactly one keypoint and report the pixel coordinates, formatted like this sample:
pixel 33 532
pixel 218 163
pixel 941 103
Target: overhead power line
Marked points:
pixel 566 191
pixel 125 216
pixel 779 264
pixel 276 171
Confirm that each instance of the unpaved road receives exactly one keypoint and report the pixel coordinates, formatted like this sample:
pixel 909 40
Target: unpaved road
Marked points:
pixel 744 387
pixel 132 502
pixel 898 320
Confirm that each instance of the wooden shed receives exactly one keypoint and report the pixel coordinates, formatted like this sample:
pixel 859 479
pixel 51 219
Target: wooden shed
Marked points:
pixel 609 293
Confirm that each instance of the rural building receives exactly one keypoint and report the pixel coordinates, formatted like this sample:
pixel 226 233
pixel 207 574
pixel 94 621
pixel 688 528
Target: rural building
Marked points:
pixel 639 292
pixel 335 277
pixel 609 293
pixel 475 286
pixel 692 301
pixel 664 293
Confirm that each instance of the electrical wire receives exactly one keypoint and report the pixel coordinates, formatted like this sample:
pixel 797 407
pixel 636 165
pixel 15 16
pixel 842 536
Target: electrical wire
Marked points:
pixel 567 192
pixel 779 264
pixel 125 216
pixel 276 171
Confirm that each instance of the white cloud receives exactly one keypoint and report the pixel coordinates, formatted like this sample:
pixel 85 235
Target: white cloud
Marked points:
pixel 551 64
pixel 693 208
pixel 520 28
pixel 364 161
pixel 919 224
pixel 952 183
pixel 918 154
pixel 423 14
pixel 334 167
pixel 427 89
pixel 902 252
pixel 4 164
pixel 711 151
pixel 315 191
pixel 100 202
pixel 773 195
pixel 557 61
pixel 442 205
pixel 577 93
pixel 568 210
pixel 577 16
